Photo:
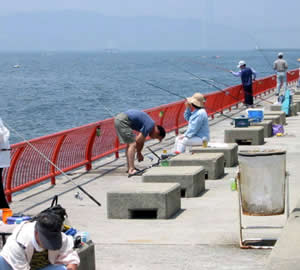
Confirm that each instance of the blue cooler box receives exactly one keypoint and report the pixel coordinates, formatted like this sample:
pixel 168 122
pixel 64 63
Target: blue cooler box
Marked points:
pixel 256 115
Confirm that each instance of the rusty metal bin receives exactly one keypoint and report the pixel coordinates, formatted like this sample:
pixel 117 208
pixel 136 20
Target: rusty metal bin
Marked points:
pixel 262 186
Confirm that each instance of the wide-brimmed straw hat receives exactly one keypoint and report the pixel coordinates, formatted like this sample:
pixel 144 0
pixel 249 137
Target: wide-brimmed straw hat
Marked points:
pixel 241 63
pixel 197 99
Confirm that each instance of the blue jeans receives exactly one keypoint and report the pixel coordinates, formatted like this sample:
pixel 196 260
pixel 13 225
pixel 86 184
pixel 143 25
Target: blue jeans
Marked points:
pixel 5 266
pixel 281 80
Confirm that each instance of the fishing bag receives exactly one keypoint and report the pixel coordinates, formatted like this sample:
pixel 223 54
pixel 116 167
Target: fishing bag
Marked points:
pixel 56 208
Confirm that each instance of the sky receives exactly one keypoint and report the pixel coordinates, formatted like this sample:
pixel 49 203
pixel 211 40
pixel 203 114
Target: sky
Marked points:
pixel 164 8
pixel 273 22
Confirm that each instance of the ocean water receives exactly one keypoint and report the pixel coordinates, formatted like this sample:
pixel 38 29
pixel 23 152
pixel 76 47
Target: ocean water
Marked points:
pixel 53 91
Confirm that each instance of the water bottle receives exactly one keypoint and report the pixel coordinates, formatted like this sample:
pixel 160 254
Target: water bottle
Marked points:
pixel 233 185
pixel 165 156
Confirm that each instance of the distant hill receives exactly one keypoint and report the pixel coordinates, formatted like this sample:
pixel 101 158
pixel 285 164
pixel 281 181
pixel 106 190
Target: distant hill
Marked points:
pixel 74 30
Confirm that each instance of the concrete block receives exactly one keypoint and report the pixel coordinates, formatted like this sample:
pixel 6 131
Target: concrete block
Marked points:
pixel 297 102
pixel 87 256
pixel 228 149
pixel 297 93
pixel 280 113
pixel 267 125
pixel 293 109
pixel 162 200
pixel 191 178
pixel 212 162
pixel 252 135
pixel 275 119
pixel 275 107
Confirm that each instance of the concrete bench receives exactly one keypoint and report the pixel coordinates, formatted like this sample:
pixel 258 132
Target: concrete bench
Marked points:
pixel 138 200
pixel 191 179
pixel 275 119
pixel 87 256
pixel 249 135
pixel 267 125
pixel 228 149
pixel 280 113
pixel 275 107
pixel 293 109
pixel 212 162
pixel 297 102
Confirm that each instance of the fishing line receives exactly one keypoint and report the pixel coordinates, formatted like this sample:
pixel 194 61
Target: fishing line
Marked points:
pixel 170 92
pixel 206 81
pixel 219 89
pixel 40 153
pixel 208 64
pixel 158 87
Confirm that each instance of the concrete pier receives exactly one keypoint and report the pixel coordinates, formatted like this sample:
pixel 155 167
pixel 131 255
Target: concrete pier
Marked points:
pixel 202 235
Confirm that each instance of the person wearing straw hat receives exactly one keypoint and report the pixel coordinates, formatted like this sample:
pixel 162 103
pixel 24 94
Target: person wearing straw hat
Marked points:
pixel 39 245
pixel 4 160
pixel 198 128
pixel 281 66
pixel 247 75
pixel 134 120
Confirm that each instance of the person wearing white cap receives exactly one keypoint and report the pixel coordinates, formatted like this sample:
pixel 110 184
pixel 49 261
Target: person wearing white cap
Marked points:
pixel 247 74
pixel 198 128
pixel 39 245
pixel 281 66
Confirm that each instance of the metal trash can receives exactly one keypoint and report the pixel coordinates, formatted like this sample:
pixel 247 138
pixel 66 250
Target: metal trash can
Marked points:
pixel 262 181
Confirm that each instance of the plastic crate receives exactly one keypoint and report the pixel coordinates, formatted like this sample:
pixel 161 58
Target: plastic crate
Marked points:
pixel 255 115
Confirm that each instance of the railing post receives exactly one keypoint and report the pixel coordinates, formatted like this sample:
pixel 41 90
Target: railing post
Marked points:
pixel 55 156
pixel 177 118
pixel 117 144
pixel 89 148
pixel 11 171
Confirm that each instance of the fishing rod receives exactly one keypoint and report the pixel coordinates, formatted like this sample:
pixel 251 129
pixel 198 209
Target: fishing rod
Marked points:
pixel 152 165
pixel 173 93
pixel 77 196
pixel 218 88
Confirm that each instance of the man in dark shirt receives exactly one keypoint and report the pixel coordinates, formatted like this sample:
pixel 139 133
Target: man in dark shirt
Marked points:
pixel 126 123
pixel 247 75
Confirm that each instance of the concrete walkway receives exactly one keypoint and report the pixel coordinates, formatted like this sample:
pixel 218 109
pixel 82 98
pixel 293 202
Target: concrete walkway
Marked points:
pixel 204 235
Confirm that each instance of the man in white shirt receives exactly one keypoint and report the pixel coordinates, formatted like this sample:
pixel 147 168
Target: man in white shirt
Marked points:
pixel 30 239
pixel 281 66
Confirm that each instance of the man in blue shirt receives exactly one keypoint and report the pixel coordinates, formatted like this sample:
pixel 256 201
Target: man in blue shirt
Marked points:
pixel 198 128
pixel 126 123
pixel 247 75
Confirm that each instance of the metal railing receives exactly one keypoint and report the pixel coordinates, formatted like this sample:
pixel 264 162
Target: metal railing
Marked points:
pixel 81 146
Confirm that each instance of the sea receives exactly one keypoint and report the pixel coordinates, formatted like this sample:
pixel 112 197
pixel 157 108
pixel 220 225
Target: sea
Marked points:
pixel 46 92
